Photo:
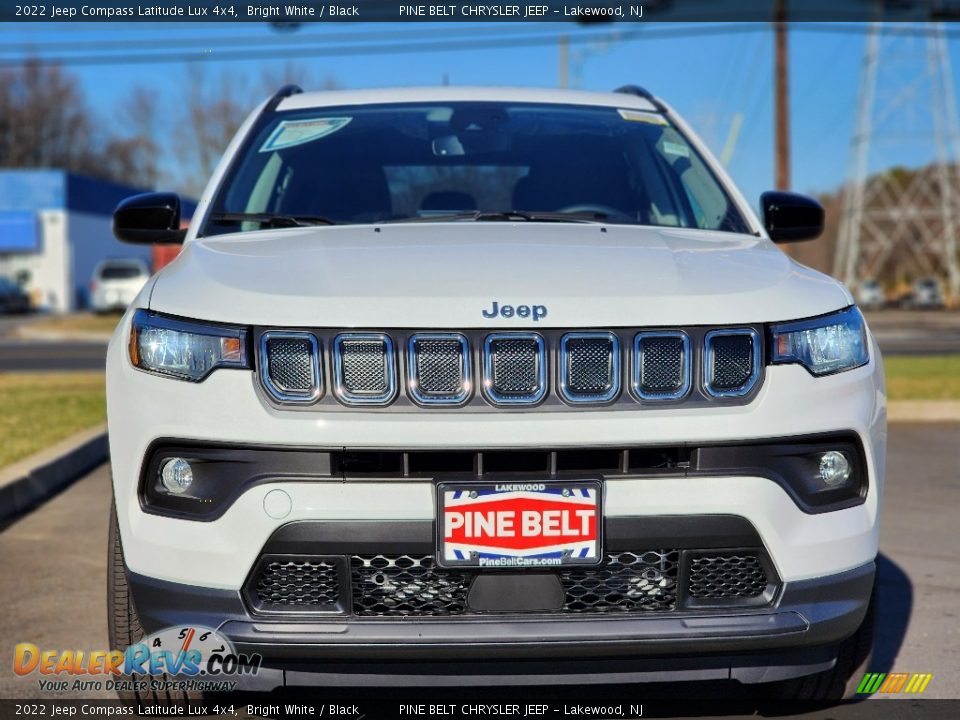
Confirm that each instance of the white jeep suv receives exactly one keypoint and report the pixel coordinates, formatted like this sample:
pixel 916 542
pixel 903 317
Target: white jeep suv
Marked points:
pixel 509 377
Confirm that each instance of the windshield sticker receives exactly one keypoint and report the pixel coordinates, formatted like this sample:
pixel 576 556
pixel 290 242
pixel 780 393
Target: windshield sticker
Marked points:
pixel 641 116
pixel 297 132
pixel 676 149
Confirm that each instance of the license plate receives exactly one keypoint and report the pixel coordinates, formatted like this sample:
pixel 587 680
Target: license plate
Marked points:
pixel 518 524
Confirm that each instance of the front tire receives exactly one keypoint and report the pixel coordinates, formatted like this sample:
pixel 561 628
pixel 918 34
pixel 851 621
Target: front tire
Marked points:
pixel 831 685
pixel 124 625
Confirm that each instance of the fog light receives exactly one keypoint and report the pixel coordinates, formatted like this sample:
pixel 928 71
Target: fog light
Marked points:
pixel 834 468
pixel 177 475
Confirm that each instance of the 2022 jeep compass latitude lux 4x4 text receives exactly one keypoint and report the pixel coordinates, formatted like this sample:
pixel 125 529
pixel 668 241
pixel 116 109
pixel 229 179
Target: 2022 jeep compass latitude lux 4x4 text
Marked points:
pixel 490 383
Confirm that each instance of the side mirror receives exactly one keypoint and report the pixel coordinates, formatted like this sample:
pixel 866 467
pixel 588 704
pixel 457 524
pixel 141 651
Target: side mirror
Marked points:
pixel 148 218
pixel 789 217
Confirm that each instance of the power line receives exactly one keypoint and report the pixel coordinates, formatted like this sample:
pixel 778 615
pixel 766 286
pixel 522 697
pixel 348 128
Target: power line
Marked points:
pixel 398 48
pixel 246 40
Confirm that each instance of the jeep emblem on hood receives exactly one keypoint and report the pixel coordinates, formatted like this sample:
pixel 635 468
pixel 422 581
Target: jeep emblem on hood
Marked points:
pixel 521 311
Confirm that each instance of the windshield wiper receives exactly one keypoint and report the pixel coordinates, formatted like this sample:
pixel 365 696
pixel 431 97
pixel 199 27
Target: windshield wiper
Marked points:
pixel 270 220
pixel 507 216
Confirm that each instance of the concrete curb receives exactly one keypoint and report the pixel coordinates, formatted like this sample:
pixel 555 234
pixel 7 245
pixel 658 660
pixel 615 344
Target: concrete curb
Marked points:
pixel 29 482
pixel 923 411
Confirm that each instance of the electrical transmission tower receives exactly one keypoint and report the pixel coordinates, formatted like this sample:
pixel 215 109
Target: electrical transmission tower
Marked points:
pixel 898 223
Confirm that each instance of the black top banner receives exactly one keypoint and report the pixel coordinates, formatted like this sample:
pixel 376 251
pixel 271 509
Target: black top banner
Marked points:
pixel 537 11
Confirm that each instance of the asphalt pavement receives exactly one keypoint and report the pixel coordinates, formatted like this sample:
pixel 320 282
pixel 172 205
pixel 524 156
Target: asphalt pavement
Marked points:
pixel 20 355
pixel 53 572
pixel 56 354
pixel 909 332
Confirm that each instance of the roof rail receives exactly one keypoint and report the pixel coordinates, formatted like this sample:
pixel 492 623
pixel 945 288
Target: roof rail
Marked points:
pixel 278 97
pixel 641 92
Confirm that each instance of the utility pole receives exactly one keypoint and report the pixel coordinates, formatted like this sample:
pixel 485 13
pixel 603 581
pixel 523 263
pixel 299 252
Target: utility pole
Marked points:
pixel 782 92
pixel 564 60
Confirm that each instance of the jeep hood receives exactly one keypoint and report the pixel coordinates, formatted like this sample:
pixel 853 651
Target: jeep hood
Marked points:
pixel 443 275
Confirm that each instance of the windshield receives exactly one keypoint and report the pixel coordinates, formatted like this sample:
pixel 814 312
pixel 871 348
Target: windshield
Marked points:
pixel 479 161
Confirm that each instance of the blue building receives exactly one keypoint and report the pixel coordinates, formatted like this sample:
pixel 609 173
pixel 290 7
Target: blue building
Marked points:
pixel 54 228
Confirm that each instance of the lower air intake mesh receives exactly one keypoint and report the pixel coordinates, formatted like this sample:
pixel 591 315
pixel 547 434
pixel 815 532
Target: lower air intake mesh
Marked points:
pixel 291 584
pixel 399 585
pixel 625 582
pixel 718 577
pixel 405 585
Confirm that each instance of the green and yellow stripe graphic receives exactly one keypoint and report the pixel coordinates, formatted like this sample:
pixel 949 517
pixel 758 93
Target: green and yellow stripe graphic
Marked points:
pixel 893 683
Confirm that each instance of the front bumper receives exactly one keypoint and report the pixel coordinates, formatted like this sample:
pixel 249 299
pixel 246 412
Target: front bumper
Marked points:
pixel 796 635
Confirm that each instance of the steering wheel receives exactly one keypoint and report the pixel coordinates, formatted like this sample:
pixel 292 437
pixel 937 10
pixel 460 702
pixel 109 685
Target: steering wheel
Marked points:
pixel 606 210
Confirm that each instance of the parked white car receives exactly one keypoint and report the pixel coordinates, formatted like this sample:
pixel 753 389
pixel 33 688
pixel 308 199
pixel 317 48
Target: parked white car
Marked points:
pixel 116 282
pixel 503 375
pixel 870 295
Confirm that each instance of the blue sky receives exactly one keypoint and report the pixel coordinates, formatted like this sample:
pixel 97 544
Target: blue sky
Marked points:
pixel 709 77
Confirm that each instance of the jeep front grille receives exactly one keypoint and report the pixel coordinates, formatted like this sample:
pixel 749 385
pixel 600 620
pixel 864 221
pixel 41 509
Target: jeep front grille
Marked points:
pixel 515 368
pixel 364 368
pixel 661 365
pixel 589 367
pixel 290 366
pixel 439 368
pixel 551 370
pixel 731 362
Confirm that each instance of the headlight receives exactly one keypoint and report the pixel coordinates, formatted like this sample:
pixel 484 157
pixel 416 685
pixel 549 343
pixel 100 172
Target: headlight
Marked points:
pixel 184 349
pixel 825 345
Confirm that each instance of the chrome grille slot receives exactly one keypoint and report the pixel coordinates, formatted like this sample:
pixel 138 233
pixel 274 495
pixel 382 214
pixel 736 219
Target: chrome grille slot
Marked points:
pixel 661 368
pixel 364 368
pixel 439 368
pixel 290 366
pixel 515 368
pixel 589 367
pixel 731 362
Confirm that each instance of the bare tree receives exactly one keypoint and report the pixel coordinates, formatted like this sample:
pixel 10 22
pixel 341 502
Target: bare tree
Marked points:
pixel 212 110
pixel 274 78
pixel 44 121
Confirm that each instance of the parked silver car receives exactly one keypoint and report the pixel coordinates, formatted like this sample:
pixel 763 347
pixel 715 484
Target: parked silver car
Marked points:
pixel 925 294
